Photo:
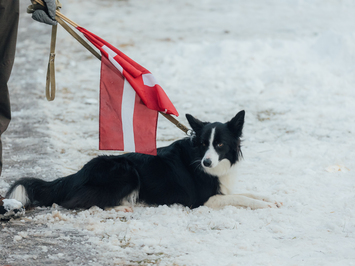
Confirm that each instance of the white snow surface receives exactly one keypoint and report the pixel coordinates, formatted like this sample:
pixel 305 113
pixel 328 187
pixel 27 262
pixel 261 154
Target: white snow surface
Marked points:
pixel 288 64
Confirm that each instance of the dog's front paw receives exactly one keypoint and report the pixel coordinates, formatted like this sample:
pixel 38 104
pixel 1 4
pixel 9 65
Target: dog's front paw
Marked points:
pixel 266 201
pixel 264 205
pixel 269 200
pixel 273 204
pixel 255 204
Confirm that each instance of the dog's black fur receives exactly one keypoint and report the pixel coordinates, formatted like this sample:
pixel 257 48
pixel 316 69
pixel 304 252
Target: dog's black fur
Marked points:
pixel 175 175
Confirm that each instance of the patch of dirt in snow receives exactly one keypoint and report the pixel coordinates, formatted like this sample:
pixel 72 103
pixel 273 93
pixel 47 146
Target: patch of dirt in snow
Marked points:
pixel 32 242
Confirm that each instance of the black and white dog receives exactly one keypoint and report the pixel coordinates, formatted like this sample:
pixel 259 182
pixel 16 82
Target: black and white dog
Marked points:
pixel 192 171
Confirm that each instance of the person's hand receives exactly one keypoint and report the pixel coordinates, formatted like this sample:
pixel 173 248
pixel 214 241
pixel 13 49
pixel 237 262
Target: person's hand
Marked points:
pixel 48 15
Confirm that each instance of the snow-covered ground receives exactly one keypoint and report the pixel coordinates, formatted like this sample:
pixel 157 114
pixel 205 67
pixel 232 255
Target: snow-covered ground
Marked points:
pixel 289 64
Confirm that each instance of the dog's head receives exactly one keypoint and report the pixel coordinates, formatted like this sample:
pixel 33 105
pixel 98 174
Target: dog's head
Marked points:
pixel 218 144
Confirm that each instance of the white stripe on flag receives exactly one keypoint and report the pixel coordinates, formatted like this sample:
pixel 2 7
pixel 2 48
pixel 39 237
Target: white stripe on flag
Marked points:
pixel 111 55
pixel 128 101
pixel 149 80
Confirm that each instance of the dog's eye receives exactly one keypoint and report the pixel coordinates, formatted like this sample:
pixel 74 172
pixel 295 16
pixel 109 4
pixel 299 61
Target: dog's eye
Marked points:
pixel 219 145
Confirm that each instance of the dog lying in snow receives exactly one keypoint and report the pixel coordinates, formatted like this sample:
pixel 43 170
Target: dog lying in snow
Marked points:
pixel 192 171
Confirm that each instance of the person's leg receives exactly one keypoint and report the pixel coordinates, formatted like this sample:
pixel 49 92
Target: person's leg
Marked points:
pixel 9 15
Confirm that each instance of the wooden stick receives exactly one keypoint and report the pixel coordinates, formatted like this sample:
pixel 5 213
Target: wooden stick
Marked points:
pixel 66 19
pixel 78 38
pixel 177 123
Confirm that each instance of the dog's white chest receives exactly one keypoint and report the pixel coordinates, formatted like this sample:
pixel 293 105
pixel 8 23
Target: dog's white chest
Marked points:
pixel 227 183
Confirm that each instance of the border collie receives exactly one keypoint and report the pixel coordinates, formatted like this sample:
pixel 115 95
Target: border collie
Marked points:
pixel 192 171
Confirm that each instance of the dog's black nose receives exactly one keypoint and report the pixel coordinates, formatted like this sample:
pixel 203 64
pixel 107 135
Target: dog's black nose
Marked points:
pixel 207 162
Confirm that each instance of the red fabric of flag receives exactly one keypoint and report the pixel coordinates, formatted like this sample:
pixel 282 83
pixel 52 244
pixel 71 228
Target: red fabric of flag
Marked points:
pixel 140 133
pixel 130 99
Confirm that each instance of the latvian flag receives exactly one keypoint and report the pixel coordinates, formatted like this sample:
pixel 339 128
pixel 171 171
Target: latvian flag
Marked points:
pixel 130 99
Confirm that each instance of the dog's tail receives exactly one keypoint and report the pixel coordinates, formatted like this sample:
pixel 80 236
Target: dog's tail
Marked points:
pixel 36 192
pixel 104 182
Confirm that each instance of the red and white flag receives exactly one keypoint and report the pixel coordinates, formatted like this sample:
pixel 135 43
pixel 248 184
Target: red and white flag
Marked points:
pixel 130 99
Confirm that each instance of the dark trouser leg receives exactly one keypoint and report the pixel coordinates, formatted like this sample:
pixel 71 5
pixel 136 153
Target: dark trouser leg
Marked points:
pixel 9 14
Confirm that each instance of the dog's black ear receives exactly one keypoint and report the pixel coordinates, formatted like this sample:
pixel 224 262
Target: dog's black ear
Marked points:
pixel 236 124
pixel 194 123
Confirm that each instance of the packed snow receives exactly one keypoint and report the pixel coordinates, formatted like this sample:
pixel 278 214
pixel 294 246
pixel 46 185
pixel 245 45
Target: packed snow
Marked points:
pixel 288 64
